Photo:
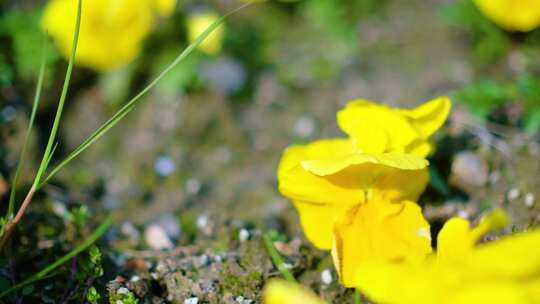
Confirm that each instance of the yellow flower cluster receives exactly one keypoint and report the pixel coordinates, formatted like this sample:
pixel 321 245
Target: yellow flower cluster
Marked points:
pixel 111 31
pixel 513 15
pixel 356 195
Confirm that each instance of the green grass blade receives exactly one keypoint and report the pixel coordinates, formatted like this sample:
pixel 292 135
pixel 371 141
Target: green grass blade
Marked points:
pixel 45 271
pixel 59 110
pixel 131 104
pixel 277 259
pixel 35 105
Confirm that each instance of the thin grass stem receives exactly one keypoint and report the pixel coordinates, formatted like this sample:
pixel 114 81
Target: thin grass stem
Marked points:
pixel 61 102
pixel 277 259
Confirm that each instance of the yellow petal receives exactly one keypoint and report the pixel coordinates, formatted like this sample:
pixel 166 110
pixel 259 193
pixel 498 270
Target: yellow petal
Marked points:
pixel 300 185
pixel 515 256
pixel 495 220
pixel 331 166
pixel 281 292
pixel 401 283
pixel 197 24
pixel 490 292
pixel 430 116
pixel 376 127
pixel 513 15
pixel 379 231
pixel 318 220
pixel 456 239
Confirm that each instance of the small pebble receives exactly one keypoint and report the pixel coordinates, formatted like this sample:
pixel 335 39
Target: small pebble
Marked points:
pixel 164 166
pixel 156 237
pixel 243 235
pixel 326 276
pixel 193 300
pixel 304 127
pixel 8 113
pixel 513 194
pixel 469 169
pixel 129 230
pixel 59 208
pixel 463 214
pixel 226 73
pixel 135 278
pixel 202 221
pixel 529 200
pixel 204 260
pixel 122 291
pixel 171 225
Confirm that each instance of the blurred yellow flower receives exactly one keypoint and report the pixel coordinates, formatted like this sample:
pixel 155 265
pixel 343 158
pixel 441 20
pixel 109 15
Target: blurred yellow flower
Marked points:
pixel 513 15
pixel 282 292
pixel 379 231
pixel 111 32
pixel 197 24
pixel 502 271
pixel 327 178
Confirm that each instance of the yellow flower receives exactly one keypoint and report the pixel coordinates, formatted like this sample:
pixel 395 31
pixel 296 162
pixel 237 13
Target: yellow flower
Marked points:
pixel 513 15
pixel 326 178
pixel 281 292
pixel 502 271
pixel 197 24
pixel 379 231
pixel 111 32
pixel 344 182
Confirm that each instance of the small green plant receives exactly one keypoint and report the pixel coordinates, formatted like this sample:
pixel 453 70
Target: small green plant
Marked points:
pixel 484 97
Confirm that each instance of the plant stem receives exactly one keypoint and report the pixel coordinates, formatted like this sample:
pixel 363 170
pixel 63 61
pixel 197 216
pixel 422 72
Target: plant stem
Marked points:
pixel 277 259
pixel 12 222
pixel 357 297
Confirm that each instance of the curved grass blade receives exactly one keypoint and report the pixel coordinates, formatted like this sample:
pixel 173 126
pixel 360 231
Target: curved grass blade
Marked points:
pixel 35 105
pixel 54 130
pixel 131 104
pixel 43 274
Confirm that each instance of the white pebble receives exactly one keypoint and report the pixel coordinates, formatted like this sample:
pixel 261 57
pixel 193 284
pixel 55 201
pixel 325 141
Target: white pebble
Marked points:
pixel 193 300
pixel 304 126
pixel 164 166
pixel 119 302
pixel 513 194
pixel 326 276
pixel 529 200
pixel 202 221
pixel 463 214
pixel 135 278
pixel 122 291
pixel 243 235
pixel 156 237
